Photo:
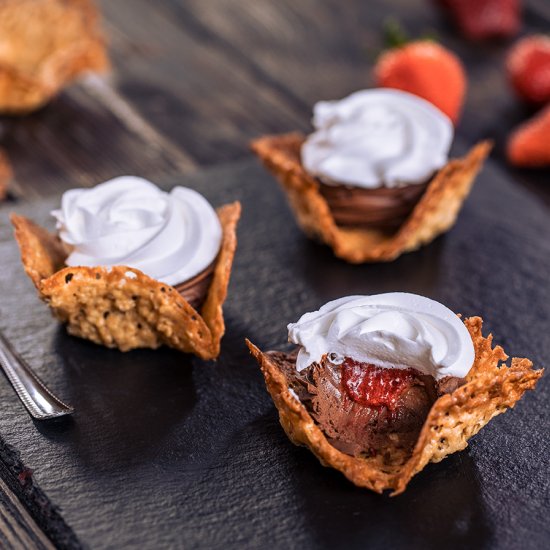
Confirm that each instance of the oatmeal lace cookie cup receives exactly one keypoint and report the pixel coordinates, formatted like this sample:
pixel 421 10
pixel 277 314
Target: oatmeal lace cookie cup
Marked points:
pixel 406 383
pixel 170 241
pixel 44 45
pixel 373 181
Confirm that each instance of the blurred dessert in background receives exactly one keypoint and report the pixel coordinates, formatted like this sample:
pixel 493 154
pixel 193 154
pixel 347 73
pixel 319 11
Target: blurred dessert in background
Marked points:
pixel 44 45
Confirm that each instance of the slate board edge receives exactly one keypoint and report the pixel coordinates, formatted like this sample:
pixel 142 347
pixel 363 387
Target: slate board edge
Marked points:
pixel 47 516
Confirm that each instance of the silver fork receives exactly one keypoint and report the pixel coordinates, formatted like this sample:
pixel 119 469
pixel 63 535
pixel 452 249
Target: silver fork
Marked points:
pixel 37 398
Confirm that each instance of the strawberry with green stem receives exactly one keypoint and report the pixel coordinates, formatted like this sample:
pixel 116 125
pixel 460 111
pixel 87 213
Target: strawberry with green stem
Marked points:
pixel 424 68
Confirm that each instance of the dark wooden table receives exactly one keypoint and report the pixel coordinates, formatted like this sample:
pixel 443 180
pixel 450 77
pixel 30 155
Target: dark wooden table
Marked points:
pixel 195 80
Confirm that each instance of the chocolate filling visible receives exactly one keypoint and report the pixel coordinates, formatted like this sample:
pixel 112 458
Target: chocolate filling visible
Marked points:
pixel 385 208
pixel 194 290
pixel 354 428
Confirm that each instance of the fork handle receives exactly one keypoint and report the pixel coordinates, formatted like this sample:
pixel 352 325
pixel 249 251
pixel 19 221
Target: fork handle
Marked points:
pixel 37 398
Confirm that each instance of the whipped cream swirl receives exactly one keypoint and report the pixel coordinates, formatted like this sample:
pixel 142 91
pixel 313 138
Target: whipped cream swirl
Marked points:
pixel 377 138
pixel 129 221
pixel 394 330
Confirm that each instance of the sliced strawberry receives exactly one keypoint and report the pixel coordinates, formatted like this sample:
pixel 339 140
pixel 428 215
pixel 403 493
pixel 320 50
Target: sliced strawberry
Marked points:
pixel 373 386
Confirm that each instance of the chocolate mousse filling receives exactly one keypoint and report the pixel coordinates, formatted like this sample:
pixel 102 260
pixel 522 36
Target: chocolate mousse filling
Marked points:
pixel 194 290
pixel 383 207
pixel 365 410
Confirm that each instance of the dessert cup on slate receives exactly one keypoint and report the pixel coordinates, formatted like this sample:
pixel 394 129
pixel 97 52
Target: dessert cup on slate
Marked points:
pixel 44 45
pixel 382 385
pixel 123 250
pixel 373 181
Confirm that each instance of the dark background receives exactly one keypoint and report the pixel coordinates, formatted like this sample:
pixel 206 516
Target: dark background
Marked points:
pixel 167 451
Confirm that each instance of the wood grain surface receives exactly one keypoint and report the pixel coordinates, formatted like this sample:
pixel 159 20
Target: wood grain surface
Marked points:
pixel 195 80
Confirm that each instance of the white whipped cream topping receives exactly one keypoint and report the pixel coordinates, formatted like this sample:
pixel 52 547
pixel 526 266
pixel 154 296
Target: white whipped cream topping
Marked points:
pixel 129 221
pixel 394 330
pixel 377 138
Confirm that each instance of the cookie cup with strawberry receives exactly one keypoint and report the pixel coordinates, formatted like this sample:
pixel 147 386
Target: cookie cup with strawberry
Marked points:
pixel 132 266
pixel 381 385
pixel 373 180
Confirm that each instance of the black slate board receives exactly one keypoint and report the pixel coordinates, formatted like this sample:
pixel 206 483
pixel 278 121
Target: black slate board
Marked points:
pixel 168 451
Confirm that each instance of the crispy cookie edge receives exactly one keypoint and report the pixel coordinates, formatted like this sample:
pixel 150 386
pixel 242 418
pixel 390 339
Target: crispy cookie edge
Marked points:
pixel 491 388
pixel 42 253
pixel 212 310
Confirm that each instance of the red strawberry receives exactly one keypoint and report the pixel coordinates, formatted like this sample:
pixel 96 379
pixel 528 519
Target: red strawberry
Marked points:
pixel 428 70
pixel 481 19
pixel 529 145
pixel 528 66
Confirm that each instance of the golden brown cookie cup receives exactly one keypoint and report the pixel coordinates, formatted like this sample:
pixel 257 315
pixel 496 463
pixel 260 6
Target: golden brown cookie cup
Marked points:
pixel 121 307
pixel 435 212
pixel 491 388
pixel 45 45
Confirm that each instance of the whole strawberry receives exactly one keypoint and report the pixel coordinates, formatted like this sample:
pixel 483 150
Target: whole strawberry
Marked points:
pixel 485 19
pixel 528 67
pixel 529 145
pixel 428 70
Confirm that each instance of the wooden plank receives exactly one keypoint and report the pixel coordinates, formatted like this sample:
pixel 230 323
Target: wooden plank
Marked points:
pixel 195 81
pixel 310 50
pixel 77 141
pixel 313 50
pixel 193 90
